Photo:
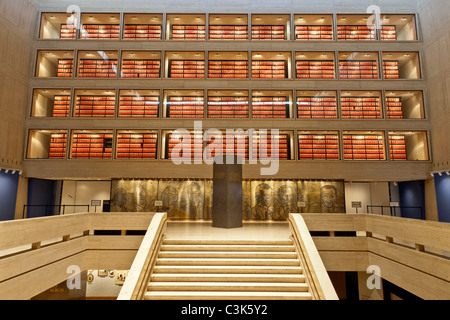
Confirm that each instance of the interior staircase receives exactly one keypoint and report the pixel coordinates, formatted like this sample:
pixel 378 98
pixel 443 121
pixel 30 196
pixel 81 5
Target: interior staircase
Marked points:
pixel 224 269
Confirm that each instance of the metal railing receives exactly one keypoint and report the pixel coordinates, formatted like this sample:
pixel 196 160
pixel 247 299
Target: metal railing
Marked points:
pixel 393 211
pixel 49 210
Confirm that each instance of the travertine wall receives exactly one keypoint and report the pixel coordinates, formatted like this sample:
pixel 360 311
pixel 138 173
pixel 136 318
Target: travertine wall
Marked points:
pixel 17 26
pixel 434 16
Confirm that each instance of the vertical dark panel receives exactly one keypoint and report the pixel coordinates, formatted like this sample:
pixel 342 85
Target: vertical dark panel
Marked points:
pixel 412 194
pixel 8 194
pixel 40 198
pixel 442 185
pixel 227 194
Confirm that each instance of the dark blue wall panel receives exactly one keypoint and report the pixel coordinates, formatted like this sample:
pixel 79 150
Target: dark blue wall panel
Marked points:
pixel 412 194
pixel 40 198
pixel 9 184
pixel 442 185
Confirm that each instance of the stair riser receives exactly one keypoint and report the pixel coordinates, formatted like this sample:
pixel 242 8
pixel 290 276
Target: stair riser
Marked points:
pixel 224 278
pixel 156 287
pixel 237 262
pixel 228 248
pixel 247 255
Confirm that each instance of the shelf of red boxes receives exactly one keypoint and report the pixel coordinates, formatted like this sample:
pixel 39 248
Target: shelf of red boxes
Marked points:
pixel 137 145
pixel 142 31
pixel 397 147
pixel 228 32
pixel 227 69
pixel 394 108
pixel 141 68
pixel 185 107
pixel 314 32
pixel 61 106
pixel 268 32
pixel 262 146
pixel 315 69
pixel 91 145
pixel 270 107
pixel 227 144
pixel 390 70
pixel 191 142
pixel 318 147
pixel 316 108
pixel 363 147
pixel 100 31
pixel 361 108
pixel 187 69
pixel 188 32
pixel 358 69
pixel 95 106
pixel 228 107
pixel 356 33
pixel 97 68
pixel 68 31
pixel 388 33
pixel 57 149
pixel 65 68
pixel 138 106
pixel 269 69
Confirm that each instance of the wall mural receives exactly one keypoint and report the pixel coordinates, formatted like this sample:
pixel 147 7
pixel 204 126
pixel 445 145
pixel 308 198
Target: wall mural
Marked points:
pixel 262 199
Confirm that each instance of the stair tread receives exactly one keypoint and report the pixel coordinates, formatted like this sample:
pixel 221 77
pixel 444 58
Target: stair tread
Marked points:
pixel 226 242
pixel 228 269
pixel 206 254
pixel 224 286
pixel 210 295
pixel 223 247
pixel 186 277
pixel 228 261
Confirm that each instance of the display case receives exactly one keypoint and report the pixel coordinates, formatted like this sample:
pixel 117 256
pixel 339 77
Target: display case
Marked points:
pixel 313 27
pixel 137 144
pixel 318 145
pixel 356 27
pixel 224 104
pixel 182 144
pixel 315 65
pixel 54 64
pixel 47 144
pixel 97 64
pixel 141 64
pixel 317 104
pixel 271 65
pixel 95 103
pixel 186 27
pixel 358 65
pixel 404 105
pixel 408 145
pixel 271 27
pixel 58 26
pixel 228 26
pixel 183 104
pixel 100 26
pixel 226 143
pixel 227 65
pixel 398 27
pixel 272 104
pixel 51 103
pixel 142 26
pixel 401 65
pixel 272 145
pixel 364 145
pixel 185 64
pixel 361 105
pixel 138 103
pixel 91 144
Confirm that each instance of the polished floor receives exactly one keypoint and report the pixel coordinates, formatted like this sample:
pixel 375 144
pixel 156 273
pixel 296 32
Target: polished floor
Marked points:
pixel 271 231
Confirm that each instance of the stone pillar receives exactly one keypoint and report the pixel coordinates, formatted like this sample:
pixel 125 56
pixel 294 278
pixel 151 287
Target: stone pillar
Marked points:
pixel 227 192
